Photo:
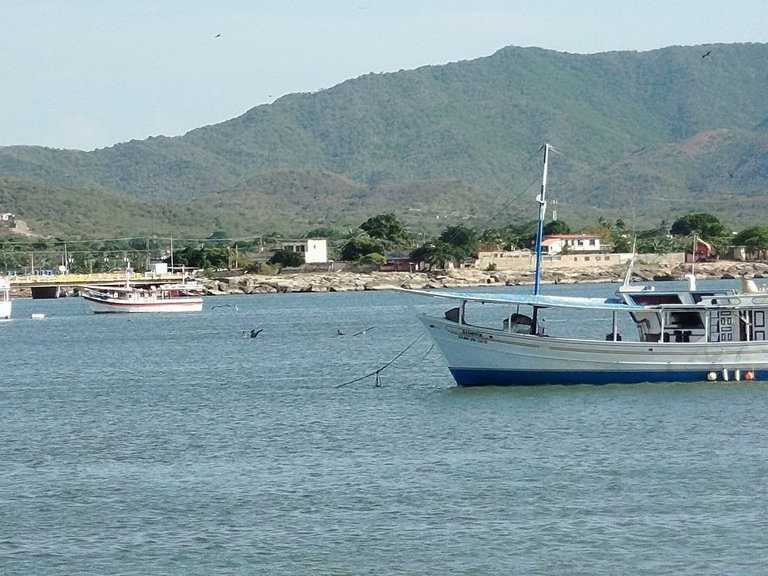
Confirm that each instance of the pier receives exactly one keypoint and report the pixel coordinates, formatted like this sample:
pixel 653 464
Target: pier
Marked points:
pixel 54 285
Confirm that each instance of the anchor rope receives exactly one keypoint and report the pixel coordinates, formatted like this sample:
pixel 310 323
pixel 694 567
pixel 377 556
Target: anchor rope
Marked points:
pixel 378 371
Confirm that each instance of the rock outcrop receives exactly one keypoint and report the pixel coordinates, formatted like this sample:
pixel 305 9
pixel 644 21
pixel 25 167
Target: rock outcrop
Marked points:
pixel 463 277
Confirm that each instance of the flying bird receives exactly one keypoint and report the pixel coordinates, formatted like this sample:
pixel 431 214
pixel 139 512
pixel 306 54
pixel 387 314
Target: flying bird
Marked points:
pixel 707 53
pixel 363 331
pixel 217 36
pixel 255 333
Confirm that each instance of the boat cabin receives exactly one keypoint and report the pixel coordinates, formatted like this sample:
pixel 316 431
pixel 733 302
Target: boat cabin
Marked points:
pixel 699 315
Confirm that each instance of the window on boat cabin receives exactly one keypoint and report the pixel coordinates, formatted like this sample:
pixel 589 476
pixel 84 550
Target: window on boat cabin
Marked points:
pixel 687 320
pixel 698 296
pixel 651 299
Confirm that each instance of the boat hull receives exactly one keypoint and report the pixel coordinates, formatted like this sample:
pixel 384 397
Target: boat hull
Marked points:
pixel 481 356
pixel 109 306
pixel 5 299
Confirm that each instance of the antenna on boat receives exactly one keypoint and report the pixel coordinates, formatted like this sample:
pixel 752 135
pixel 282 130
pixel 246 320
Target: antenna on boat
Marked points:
pixel 542 201
pixel 631 267
pixel 128 272
pixel 693 257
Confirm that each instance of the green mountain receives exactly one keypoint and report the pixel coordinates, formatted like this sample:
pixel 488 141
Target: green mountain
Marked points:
pixel 643 136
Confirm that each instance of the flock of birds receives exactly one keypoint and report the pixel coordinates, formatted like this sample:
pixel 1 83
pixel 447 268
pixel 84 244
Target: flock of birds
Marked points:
pixel 254 332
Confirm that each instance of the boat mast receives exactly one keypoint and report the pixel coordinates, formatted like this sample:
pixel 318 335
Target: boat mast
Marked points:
pixel 542 200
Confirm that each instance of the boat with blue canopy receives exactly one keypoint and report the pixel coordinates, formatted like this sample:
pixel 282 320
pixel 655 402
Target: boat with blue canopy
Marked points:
pixel 644 332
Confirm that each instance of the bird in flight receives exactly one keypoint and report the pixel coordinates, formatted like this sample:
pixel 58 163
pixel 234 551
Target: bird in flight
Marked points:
pixel 363 331
pixel 707 53
pixel 255 333
pixel 217 36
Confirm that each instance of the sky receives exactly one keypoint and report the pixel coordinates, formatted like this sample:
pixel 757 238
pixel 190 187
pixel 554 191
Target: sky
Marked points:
pixel 86 74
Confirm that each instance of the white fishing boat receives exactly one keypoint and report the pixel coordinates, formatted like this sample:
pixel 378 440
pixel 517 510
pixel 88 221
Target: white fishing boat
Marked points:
pixel 642 333
pixel 5 299
pixel 167 297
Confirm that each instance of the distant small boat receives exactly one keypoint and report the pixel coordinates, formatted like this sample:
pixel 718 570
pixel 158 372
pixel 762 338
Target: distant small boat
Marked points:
pixel 176 297
pixel 5 299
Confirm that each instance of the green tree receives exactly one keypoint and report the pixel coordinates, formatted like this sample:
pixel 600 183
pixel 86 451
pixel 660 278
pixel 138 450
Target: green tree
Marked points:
pixel 438 253
pixel 372 258
pixel 556 227
pixel 204 257
pixel 324 232
pixel 494 236
pixel 705 226
pixel 522 234
pixel 286 258
pixel 386 227
pixel 755 240
pixel 461 240
pixel 361 246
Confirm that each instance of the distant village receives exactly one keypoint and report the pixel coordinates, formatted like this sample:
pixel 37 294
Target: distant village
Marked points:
pixel 581 251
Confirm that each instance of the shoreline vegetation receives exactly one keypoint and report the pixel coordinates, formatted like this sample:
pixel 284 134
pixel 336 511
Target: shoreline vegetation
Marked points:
pixel 345 281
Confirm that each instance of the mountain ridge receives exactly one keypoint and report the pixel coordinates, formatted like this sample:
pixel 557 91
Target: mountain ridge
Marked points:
pixel 448 141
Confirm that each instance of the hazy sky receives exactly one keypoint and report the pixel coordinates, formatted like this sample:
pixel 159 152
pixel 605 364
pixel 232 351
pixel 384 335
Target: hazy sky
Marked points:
pixel 91 73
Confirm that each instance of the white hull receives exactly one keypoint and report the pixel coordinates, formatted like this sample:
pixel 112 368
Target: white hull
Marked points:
pixel 121 305
pixel 477 356
pixel 5 299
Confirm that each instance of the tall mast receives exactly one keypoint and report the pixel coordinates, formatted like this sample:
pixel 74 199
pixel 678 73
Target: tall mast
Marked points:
pixel 542 200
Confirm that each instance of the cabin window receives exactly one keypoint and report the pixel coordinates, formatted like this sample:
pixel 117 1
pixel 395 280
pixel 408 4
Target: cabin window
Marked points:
pixel 686 320
pixel 698 296
pixel 651 299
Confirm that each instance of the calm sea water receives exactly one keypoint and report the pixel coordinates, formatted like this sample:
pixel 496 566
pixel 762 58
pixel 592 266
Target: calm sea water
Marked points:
pixel 172 444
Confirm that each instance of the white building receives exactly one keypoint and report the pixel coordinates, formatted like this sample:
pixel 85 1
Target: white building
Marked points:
pixel 314 250
pixel 571 243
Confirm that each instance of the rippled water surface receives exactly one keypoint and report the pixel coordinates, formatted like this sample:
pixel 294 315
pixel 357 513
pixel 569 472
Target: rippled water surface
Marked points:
pixel 173 444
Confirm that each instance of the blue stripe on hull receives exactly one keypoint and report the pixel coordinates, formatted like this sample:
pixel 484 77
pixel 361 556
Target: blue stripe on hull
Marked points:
pixel 475 377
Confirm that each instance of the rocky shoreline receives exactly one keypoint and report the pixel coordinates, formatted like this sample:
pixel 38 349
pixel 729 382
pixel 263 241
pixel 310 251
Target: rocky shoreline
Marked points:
pixel 465 277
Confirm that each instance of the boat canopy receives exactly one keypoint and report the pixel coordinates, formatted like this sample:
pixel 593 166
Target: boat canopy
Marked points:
pixel 711 302
pixel 538 300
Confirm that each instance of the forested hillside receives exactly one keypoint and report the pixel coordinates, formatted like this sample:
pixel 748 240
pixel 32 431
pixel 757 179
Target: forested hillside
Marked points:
pixel 639 135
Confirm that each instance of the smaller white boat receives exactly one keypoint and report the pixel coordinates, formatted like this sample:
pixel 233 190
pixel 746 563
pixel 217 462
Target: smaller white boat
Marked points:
pixel 5 299
pixel 176 297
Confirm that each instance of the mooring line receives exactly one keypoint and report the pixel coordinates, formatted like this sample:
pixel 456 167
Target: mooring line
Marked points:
pixel 377 373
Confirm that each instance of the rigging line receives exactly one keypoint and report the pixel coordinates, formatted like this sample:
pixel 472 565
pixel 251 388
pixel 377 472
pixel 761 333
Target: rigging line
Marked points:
pixel 535 181
pixel 377 372
pixel 419 361
pixel 509 203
